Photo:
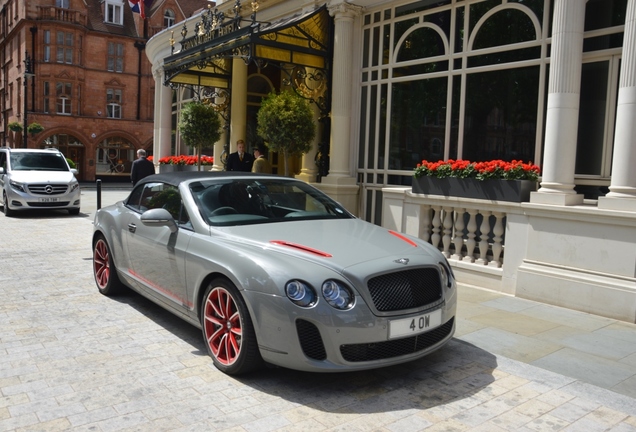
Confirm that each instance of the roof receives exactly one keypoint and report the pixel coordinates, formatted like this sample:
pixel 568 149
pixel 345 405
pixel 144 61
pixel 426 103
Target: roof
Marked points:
pixel 96 22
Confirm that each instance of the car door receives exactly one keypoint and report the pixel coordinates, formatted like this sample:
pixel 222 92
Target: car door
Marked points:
pixel 156 253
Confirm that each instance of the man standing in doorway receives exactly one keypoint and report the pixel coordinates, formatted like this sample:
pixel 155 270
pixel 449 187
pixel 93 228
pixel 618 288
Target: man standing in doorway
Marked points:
pixel 141 167
pixel 239 160
pixel 261 164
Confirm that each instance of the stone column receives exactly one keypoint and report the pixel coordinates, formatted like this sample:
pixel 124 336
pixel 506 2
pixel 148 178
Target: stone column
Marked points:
pixel 344 14
pixel 238 107
pixel 219 146
pixel 163 119
pixel 156 74
pixel 622 195
pixel 559 158
pixel 340 184
pixel 309 170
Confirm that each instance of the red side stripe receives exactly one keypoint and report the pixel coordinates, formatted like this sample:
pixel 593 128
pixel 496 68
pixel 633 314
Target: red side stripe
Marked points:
pixel 400 236
pixel 301 247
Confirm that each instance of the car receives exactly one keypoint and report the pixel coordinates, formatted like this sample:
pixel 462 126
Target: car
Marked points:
pixel 37 179
pixel 275 272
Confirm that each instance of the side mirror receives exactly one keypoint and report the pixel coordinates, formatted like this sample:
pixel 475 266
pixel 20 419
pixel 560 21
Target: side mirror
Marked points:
pixel 1 170
pixel 74 171
pixel 159 217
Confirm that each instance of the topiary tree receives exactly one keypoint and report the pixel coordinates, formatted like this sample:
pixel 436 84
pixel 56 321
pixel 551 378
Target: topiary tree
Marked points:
pixel 199 127
pixel 286 123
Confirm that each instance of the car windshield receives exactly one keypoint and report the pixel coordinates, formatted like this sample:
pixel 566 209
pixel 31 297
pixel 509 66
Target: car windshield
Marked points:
pixel 32 161
pixel 247 201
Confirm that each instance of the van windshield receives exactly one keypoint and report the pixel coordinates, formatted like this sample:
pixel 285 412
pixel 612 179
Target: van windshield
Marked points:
pixel 38 162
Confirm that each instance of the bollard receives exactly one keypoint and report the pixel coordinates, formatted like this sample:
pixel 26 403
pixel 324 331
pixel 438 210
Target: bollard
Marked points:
pixel 99 193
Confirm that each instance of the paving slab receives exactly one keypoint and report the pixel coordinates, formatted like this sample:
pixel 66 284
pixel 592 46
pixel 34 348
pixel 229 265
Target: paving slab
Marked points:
pixel 72 359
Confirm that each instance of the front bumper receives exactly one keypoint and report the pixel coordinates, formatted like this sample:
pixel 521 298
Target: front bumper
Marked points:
pixel 321 339
pixel 19 200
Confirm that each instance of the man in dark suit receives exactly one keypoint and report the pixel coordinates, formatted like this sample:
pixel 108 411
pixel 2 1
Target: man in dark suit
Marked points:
pixel 239 160
pixel 141 167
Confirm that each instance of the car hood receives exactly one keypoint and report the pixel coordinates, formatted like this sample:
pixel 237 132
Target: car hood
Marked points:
pixel 42 176
pixel 335 243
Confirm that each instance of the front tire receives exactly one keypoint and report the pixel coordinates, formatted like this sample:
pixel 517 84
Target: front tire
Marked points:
pixel 228 331
pixel 74 211
pixel 104 270
pixel 5 206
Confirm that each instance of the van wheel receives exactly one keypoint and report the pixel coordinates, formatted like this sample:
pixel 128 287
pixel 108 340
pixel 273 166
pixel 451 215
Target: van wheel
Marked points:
pixel 5 205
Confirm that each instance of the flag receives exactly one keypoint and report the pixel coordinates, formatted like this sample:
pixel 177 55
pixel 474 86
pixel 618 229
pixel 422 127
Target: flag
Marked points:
pixel 140 6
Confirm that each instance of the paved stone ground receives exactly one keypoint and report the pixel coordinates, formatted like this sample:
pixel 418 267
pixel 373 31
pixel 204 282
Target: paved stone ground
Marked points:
pixel 71 359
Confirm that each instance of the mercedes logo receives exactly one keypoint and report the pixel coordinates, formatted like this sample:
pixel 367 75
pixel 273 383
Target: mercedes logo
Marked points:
pixel 404 261
pixel 48 189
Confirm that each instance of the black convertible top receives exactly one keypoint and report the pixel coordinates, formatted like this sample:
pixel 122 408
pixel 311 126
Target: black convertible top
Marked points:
pixel 177 177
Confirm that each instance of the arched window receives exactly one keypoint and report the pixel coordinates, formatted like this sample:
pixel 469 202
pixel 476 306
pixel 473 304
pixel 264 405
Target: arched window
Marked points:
pixel 168 18
pixel 114 156
pixel 508 26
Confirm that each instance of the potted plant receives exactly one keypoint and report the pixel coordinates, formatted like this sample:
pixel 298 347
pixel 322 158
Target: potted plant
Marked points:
pixel 286 122
pixel 15 126
pixel 177 163
pixel 199 127
pixel 493 180
pixel 35 128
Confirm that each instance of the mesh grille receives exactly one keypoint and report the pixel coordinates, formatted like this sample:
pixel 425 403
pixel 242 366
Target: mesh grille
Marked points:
pixel 406 289
pixel 40 189
pixel 397 347
pixel 310 340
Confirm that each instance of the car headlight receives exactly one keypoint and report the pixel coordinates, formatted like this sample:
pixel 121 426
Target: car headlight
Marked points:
pixel 74 186
pixel 300 293
pixel 17 186
pixel 446 275
pixel 337 294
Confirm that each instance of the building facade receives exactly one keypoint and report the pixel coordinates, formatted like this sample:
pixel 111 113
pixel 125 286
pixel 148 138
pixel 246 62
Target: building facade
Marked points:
pixel 78 68
pixel 548 81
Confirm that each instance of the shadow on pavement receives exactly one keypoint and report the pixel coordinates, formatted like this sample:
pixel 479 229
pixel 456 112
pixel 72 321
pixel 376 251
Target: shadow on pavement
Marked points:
pixel 456 372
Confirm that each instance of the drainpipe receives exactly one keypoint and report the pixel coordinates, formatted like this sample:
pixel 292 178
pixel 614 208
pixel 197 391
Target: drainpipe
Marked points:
pixel 140 46
pixel 34 30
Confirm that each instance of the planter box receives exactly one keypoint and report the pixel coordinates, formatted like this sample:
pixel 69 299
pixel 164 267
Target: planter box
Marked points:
pixel 165 168
pixel 494 190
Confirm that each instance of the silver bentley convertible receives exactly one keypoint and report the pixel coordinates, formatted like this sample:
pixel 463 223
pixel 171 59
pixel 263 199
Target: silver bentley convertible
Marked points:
pixel 274 271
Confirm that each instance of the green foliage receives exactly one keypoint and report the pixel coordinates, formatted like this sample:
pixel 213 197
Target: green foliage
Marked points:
pixel 35 128
pixel 286 123
pixel 15 126
pixel 199 125
pixel 70 163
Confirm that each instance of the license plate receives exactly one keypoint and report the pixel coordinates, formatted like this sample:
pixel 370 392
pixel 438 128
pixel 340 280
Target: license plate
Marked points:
pixel 48 199
pixel 414 325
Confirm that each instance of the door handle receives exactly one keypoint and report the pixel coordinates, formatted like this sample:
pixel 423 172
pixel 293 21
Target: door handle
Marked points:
pixel 132 228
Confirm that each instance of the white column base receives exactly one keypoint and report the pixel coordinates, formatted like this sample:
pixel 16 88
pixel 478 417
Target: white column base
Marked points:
pixel 617 203
pixel 342 189
pixel 552 198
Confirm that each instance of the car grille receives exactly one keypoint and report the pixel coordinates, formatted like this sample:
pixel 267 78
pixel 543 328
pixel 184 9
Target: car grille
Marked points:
pixel 42 189
pixel 405 289
pixel 49 204
pixel 396 347
pixel 310 340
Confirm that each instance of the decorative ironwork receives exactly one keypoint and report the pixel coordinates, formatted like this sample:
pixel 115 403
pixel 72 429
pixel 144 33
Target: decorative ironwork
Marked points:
pixel 301 46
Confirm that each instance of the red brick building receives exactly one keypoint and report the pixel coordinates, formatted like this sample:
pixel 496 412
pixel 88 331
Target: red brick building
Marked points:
pixel 78 68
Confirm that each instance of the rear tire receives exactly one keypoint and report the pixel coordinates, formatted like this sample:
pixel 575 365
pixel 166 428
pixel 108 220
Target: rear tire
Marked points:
pixel 228 331
pixel 104 270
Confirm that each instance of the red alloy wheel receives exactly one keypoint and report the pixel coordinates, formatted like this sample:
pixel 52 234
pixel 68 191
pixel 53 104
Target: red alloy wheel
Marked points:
pixel 222 326
pixel 101 264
